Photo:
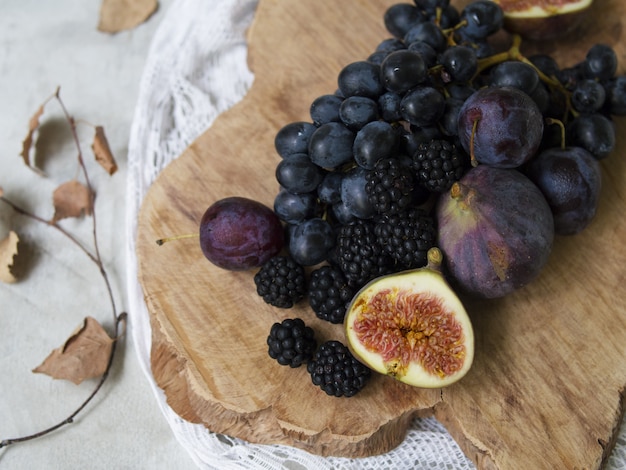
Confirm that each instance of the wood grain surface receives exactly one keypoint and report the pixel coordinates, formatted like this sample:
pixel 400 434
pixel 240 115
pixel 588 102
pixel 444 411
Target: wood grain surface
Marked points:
pixel 547 385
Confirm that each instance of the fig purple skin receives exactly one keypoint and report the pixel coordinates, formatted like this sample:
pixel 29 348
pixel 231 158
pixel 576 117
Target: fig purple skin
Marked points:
pixel 570 179
pixel 506 125
pixel 237 233
pixel 496 231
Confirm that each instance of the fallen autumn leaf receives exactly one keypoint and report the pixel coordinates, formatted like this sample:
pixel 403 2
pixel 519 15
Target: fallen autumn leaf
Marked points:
pixel 8 250
pixel 119 15
pixel 84 355
pixel 102 151
pixel 72 199
pixel 27 143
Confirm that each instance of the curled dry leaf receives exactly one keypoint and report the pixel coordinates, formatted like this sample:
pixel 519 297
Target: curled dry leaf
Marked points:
pixel 27 143
pixel 118 15
pixel 84 355
pixel 102 151
pixel 72 199
pixel 8 250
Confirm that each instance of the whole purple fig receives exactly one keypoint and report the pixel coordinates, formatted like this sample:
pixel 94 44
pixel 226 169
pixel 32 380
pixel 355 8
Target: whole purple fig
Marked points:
pixel 496 231
pixel 570 178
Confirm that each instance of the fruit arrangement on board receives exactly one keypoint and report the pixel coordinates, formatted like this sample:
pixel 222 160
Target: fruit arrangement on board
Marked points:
pixel 443 166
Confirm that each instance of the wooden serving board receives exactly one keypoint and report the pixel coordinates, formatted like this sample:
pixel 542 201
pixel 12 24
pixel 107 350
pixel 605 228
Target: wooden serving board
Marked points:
pixel 546 389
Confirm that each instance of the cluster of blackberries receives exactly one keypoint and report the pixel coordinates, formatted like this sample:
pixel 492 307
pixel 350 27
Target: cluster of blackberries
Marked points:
pixel 331 366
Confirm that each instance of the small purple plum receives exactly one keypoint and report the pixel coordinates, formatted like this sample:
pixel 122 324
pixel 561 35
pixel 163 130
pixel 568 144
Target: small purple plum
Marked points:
pixel 570 178
pixel 237 233
pixel 500 127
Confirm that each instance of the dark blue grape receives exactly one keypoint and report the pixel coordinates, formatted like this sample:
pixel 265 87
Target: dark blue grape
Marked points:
pixel 298 174
pixel 311 241
pixel 483 48
pixel 450 116
pixel 401 17
pixel 390 45
pixel 402 70
pixel 600 62
pixel 389 106
pixel 329 190
pixel 360 78
pixel 353 193
pixel 541 96
pixel 448 18
pixel 293 138
pixel 342 215
pixel 421 135
pixel 460 91
pixel 429 55
pixel 616 95
pixel 356 111
pixel 483 18
pixel 431 6
pixel 422 106
pixel 377 57
pixel 325 109
pixel 460 62
pixel 593 132
pixel 295 208
pixel 373 142
pixel 516 74
pixel 546 63
pixel 331 145
pixel 570 76
pixel 570 179
pixel 429 33
pixel 588 96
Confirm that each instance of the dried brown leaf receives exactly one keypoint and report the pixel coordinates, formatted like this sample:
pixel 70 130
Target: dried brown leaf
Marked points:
pixel 84 355
pixel 102 151
pixel 118 15
pixel 72 199
pixel 8 251
pixel 27 143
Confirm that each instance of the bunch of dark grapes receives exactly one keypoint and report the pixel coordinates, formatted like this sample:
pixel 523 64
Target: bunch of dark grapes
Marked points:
pixel 390 140
pixel 359 155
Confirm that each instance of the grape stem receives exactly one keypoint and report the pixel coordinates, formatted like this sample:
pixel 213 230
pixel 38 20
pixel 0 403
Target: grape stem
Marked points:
pixel 514 53
pixel 559 123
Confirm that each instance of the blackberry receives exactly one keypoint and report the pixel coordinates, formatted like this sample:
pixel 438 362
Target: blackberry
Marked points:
pixel 336 371
pixel 330 293
pixel 281 282
pixel 359 254
pixel 407 237
pixel 291 342
pixel 438 164
pixel 389 186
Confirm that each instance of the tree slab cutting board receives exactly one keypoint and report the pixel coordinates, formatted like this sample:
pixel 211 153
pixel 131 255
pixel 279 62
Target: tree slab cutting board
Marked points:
pixel 546 390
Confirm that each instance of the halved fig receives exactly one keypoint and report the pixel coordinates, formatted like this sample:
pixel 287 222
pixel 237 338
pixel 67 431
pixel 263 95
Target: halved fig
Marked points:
pixel 412 327
pixel 543 19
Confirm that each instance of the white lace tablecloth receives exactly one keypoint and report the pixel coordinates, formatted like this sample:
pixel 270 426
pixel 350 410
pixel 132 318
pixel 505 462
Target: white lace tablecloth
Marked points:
pixel 195 70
